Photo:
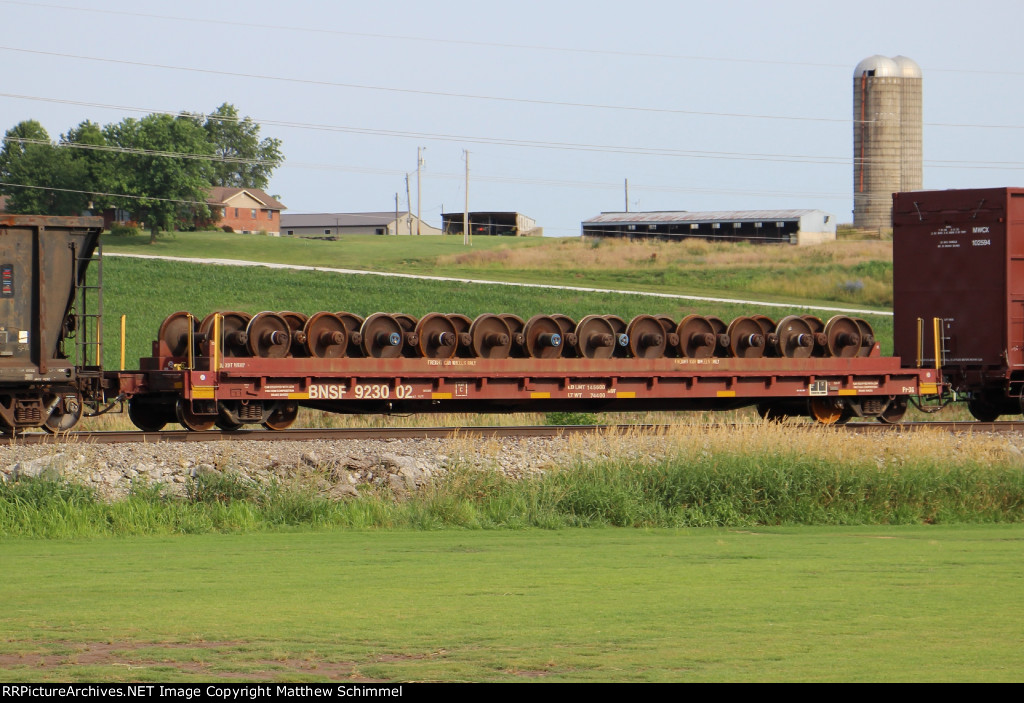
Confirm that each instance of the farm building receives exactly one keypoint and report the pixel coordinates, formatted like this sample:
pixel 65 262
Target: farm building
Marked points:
pixel 792 226
pixel 508 224
pixel 335 224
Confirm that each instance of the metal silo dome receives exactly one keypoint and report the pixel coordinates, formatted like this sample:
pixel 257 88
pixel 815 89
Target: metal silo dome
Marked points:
pixel 878 66
pixel 907 68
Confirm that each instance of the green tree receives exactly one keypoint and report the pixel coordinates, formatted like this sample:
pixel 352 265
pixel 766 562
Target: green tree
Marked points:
pixel 245 161
pixel 88 149
pixel 38 176
pixel 158 166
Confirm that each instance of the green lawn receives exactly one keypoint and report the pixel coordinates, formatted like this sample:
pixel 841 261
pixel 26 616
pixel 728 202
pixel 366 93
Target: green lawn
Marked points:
pixel 148 291
pixel 768 604
pixel 850 273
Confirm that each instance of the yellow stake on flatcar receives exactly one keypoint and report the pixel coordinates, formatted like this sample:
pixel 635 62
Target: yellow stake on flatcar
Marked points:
pixel 123 318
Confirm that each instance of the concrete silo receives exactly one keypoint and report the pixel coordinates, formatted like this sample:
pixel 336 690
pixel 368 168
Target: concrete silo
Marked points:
pixel 887 150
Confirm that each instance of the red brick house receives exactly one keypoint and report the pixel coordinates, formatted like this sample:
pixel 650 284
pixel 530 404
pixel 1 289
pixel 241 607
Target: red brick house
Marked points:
pixel 246 210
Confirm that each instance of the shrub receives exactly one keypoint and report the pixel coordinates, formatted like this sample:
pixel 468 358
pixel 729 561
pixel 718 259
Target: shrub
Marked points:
pixel 125 229
pixel 228 228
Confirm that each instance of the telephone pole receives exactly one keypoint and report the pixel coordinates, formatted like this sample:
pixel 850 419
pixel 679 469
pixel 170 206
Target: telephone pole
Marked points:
pixel 419 188
pixel 465 211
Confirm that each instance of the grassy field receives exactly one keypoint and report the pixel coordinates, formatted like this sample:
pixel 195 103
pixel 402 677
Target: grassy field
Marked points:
pixel 771 604
pixel 147 291
pixel 850 272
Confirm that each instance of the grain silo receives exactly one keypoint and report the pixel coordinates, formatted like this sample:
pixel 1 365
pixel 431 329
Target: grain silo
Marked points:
pixel 886 136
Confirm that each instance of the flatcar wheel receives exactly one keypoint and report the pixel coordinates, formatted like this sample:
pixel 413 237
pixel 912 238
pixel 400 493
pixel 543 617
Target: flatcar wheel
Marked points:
pixel 828 411
pixel 149 416
pixel 867 337
pixel 671 335
pixel 490 337
pixel 619 328
pixel 282 417
pixel 189 420
pixel 595 338
pixel 353 323
pixel 647 338
pixel 982 409
pixel 543 337
pixel 65 413
pixel 225 424
pixel 382 336
pixel 269 336
pixel 697 338
pixel 174 332
pixel 326 336
pixel 436 336
pixel 568 327
pixel 794 339
pixel 515 328
pixel 842 335
pixel 894 412
pixel 746 338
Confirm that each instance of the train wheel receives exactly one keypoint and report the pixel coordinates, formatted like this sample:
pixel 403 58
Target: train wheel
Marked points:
pixel 491 338
pixel 383 336
pixel 325 336
pixel 843 337
pixel 297 323
pixel 543 337
pixel 233 336
pixel 148 416
pixel 619 328
pixel 793 338
pixel 647 338
pixel 867 337
pixel 894 412
pixel 269 336
pixel 746 338
pixel 282 417
pixel 697 338
pixel 515 328
pixel 437 337
pixel 67 411
pixel 189 420
pixel 595 338
pixel 983 409
pixel 174 332
pixel 828 411
pixel 353 323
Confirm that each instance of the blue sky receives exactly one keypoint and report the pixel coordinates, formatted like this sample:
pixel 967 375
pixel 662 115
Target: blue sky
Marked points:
pixel 702 106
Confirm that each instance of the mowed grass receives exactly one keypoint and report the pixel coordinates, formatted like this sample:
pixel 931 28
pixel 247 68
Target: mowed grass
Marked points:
pixel 771 604
pixel 850 272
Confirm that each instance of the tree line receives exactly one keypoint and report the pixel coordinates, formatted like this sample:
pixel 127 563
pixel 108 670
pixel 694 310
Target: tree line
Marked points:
pixel 159 167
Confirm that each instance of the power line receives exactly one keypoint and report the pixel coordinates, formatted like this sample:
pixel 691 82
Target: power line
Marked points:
pixel 277 28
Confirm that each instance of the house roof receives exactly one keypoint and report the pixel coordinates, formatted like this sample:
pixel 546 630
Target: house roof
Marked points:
pixel 222 195
pixel 341 219
pixel 684 216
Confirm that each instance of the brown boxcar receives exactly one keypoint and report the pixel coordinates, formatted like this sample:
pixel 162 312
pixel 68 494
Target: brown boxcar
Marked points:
pixel 958 258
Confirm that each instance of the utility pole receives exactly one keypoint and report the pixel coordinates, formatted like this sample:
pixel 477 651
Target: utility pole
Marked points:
pixel 465 210
pixel 396 213
pixel 627 195
pixel 419 189
pixel 409 201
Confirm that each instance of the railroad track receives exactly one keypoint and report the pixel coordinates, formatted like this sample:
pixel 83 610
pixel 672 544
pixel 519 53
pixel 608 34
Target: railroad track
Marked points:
pixel 360 433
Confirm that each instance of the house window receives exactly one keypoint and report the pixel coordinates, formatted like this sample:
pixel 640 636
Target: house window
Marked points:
pixel 252 214
pixel 270 214
pixel 327 231
pixel 236 212
pixel 291 231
